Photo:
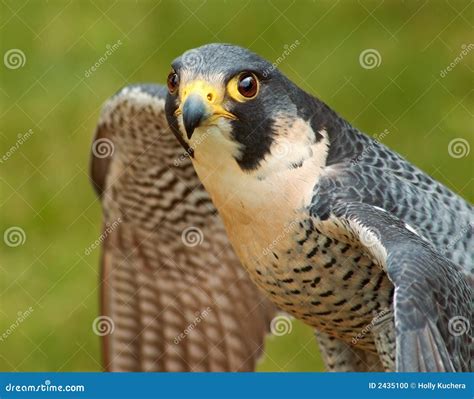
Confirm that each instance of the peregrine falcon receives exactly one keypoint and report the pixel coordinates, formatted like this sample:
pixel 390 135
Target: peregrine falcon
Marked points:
pixel 172 289
pixel 337 229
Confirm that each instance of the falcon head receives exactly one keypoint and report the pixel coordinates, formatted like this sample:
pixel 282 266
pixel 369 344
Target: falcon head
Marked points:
pixel 227 104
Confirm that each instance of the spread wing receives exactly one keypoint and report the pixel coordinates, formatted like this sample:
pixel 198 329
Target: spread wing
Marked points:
pixel 432 302
pixel 172 288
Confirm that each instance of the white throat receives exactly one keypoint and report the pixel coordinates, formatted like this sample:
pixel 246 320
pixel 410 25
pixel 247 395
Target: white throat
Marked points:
pixel 265 200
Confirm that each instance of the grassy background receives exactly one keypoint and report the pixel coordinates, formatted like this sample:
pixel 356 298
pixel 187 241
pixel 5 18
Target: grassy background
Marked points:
pixel 44 186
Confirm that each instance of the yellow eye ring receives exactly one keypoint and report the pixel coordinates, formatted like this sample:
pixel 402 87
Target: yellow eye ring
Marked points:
pixel 243 87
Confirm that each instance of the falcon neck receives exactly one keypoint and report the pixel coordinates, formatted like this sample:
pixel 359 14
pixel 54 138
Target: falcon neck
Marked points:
pixel 270 194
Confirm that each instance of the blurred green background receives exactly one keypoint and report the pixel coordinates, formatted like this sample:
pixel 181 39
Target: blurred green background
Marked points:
pixel 44 186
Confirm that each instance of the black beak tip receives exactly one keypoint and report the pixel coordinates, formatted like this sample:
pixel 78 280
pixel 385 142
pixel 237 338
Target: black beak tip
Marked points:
pixel 194 111
pixel 189 131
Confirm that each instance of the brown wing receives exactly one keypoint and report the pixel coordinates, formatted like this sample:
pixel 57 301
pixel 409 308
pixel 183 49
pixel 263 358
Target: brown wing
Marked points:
pixel 172 288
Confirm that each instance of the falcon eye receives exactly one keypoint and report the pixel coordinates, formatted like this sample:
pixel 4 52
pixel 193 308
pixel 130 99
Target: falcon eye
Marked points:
pixel 173 82
pixel 247 85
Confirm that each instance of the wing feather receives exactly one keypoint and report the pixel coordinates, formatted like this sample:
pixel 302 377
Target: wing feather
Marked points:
pixel 430 292
pixel 175 306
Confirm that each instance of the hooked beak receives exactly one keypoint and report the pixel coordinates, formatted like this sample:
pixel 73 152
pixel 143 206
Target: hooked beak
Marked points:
pixel 194 112
pixel 201 103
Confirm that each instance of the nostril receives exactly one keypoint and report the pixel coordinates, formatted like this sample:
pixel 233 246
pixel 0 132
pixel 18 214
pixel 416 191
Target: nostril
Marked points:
pixel 210 97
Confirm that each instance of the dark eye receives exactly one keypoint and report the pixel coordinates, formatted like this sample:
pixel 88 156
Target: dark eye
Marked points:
pixel 248 85
pixel 173 82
